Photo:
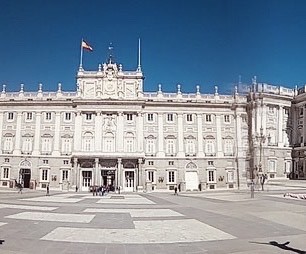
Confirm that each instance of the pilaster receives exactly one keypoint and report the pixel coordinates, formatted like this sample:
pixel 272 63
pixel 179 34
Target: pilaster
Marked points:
pixel 200 135
pixel 18 134
pixel 139 128
pixel 98 132
pixel 57 134
pixel 120 139
pixel 36 150
pixel 161 152
pixel 1 129
pixel 180 135
pixel 280 126
pixel 78 132
pixel 219 136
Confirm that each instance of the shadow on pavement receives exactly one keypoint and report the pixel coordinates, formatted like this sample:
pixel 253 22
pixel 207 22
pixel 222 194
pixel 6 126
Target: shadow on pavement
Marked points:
pixel 283 246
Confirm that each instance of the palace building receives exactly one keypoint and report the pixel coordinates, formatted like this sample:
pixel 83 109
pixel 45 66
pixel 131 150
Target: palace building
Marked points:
pixel 111 132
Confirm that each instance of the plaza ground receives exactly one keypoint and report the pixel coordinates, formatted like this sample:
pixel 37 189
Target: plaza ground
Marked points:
pixel 159 222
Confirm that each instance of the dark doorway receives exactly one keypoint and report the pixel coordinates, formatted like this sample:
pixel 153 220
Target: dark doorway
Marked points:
pixel 25 175
pixel 108 178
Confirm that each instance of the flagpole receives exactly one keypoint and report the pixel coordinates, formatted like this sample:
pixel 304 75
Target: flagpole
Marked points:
pixel 81 58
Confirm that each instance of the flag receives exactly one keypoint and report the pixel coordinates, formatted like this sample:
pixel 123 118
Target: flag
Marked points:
pixel 85 45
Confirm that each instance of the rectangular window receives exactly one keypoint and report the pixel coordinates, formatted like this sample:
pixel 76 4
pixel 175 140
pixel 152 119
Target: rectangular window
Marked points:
pixel 211 175
pixel 170 117
pixel 10 116
pixel 67 116
pixel 271 109
pixel 171 163
pixel 48 116
pixel 45 162
pixel 226 118
pixel 301 111
pixel 6 160
pixel 64 175
pixel 230 176
pixel 88 116
pixel 129 117
pixel 189 117
pixel 6 172
pixel 151 176
pixel 44 175
pixel 272 166
pixel 210 163
pixel 208 118
pixel 66 162
pixel 150 117
pixel 151 163
pixel 29 116
pixel 171 177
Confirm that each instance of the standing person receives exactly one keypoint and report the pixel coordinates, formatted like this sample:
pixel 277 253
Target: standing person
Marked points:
pixel 48 190
pixel 175 190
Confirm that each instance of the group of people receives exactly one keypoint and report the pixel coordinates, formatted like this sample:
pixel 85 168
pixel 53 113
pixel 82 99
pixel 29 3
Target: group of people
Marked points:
pixel 100 191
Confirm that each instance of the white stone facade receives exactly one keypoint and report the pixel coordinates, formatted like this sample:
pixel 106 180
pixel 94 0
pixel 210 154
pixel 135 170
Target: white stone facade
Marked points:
pixel 111 132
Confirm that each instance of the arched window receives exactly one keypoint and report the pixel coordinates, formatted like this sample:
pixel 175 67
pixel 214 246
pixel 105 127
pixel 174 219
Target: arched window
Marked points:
pixel 228 143
pixel 109 142
pixel 66 144
pixel 210 146
pixel 150 145
pixel 129 142
pixel 8 143
pixel 46 144
pixel 88 142
pixel 170 145
pixel 190 145
pixel 27 144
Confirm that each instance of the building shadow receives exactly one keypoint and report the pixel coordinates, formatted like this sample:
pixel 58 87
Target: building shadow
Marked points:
pixel 283 246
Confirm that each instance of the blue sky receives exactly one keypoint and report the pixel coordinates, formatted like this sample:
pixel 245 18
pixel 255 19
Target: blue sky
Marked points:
pixel 205 42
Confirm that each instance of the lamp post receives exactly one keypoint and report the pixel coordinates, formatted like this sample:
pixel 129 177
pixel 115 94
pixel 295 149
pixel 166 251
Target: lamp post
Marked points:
pixel 261 138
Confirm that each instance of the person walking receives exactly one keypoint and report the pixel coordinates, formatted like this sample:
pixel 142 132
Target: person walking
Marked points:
pixel 175 190
pixel 48 190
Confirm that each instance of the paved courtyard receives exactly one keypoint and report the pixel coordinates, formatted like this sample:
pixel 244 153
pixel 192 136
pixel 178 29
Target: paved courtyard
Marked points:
pixel 191 223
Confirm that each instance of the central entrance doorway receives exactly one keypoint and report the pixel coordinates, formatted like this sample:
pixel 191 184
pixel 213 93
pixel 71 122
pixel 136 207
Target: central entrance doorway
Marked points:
pixel 25 177
pixel 129 180
pixel 86 180
pixel 108 179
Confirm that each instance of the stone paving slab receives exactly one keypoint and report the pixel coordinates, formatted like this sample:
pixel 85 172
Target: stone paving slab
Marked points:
pixel 74 218
pixel 53 199
pixel 157 231
pixel 27 207
pixel 291 219
pixel 137 212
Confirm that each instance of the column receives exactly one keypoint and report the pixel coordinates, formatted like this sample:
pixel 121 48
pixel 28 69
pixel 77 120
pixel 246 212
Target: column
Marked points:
pixel 36 150
pixel 120 126
pixel 119 174
pixel 98 132
pixel 200 135
pixel 96 172
pixel 18 134
pixel 238 134
pixel 139 131
pixel 258 117
pixel 74 176
pixel 219 136
pixel 280 126
pixel 140 175
pixel 78 132
pixel 180 135
pixel 57 131
pixel 1 129
pixel 161 152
